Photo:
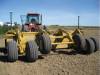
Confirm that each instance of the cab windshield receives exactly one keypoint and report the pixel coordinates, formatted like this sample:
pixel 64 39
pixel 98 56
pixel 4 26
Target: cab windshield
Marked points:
pixel 33 18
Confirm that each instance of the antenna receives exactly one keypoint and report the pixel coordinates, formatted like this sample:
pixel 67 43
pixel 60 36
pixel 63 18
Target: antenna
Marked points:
pixel 78 22
pixel 11 14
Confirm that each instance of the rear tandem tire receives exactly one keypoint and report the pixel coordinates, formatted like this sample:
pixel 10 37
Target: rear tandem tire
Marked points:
pixel 79 42
pixel 96 42
pixel 12 51
pixel 31 51
pixel 45 43
pixel 90 46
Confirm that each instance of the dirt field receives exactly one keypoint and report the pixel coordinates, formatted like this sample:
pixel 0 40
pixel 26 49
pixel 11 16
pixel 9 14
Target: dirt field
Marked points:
pixel 65 62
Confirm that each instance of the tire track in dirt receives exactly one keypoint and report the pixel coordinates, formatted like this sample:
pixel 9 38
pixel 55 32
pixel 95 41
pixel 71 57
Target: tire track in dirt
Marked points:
pixel 56 64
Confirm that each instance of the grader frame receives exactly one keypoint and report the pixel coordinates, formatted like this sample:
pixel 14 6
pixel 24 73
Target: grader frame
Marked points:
pixel 21 38
pixel 62 38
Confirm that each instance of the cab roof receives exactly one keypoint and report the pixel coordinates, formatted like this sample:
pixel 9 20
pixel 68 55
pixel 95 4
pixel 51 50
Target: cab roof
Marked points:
pixel 33 14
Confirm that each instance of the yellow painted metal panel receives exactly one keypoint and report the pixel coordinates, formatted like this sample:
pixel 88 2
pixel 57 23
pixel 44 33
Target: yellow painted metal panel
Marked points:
pixel 62 46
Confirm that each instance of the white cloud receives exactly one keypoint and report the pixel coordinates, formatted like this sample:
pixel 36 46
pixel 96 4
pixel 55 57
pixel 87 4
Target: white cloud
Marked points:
pixel 1 23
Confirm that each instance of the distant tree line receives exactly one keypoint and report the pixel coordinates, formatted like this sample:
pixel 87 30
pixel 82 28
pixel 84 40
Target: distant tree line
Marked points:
pixel 5 28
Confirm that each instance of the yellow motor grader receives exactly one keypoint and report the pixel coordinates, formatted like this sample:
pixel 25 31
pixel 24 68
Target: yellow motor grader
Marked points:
pixel 33 38
pixel 28 40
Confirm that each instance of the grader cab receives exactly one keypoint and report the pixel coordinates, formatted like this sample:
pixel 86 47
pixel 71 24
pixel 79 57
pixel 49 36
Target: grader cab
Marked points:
pixel 33 22
pixel 33 38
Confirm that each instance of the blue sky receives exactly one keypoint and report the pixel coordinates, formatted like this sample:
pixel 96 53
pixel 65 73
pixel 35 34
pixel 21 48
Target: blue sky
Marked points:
pixel 63 12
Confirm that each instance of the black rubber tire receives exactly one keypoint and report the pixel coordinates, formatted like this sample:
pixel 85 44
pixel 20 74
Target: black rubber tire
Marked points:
pixel 79 42
pixel 96 42
pixel 31 51
pixel 45 44
pixel 90 46
pixel 12 51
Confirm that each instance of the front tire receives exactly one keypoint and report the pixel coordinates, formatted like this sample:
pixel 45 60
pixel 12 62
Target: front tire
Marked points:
pixel 31 51
pixel 12 51
pixel 45 44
